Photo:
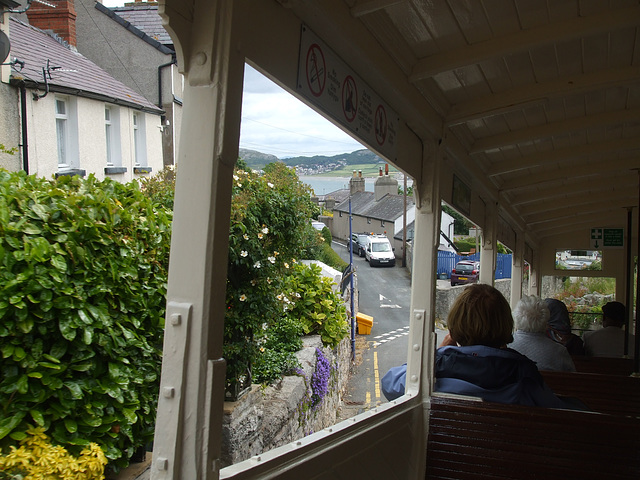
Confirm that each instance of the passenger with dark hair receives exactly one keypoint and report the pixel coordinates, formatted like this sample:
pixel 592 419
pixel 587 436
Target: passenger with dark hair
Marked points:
pixel 474 359
pixel 559 329
pixel 609 340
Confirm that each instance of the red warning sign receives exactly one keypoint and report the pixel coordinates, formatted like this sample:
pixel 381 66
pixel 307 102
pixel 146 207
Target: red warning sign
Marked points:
pixel 316 70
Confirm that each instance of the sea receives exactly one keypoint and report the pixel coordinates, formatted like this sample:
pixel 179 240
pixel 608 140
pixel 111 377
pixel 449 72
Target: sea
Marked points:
pixel 324 185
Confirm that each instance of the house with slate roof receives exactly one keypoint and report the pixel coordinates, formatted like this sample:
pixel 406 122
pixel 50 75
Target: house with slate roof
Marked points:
pixel 131 44
pixel 380 211
pixel 68 116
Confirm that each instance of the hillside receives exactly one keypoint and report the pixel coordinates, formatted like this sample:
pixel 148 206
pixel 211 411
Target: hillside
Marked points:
pixel 312 165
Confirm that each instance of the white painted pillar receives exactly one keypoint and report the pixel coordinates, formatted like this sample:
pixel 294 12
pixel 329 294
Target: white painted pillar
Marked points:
pixel 489 245
pixel 517 269
pixel 535 279
pixel 189 423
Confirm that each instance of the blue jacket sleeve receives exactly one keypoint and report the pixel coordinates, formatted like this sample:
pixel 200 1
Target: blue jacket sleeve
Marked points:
pixel 393 382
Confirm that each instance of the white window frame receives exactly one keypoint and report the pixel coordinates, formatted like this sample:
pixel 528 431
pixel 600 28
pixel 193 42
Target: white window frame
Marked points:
pixel 112 135
pixel 67 140
pixel 139 139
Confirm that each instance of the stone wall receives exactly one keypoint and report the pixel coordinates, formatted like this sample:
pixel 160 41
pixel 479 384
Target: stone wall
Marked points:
pixel 269 417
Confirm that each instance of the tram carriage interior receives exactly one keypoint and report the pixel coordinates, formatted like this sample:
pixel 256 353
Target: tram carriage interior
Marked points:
pixel 522 114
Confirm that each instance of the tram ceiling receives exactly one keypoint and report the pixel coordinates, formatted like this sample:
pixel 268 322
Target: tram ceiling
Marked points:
pixel 539 102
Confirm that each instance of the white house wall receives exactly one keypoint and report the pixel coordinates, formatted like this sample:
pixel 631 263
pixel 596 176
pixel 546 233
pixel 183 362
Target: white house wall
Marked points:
pixel 10 127
pixel 90 138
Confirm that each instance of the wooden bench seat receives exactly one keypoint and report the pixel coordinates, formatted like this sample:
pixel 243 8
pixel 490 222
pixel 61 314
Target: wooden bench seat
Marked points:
pixel 612 394
pixel 482 440
pixel 604 365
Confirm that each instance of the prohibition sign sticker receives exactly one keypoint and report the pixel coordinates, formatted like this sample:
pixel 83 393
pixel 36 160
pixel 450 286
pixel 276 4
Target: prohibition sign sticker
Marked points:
pixel 381 125
pixel 349 98
pixel 316 70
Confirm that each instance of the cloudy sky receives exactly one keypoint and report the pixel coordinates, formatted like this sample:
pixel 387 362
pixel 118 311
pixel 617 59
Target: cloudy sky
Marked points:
pixel 277 123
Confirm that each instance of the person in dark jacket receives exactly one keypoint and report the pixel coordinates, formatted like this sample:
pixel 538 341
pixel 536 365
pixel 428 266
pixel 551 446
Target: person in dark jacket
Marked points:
pixel 473 359
pixel 559 327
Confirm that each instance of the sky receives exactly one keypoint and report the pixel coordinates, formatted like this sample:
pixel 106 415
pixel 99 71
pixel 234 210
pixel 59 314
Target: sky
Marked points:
pixel 275 122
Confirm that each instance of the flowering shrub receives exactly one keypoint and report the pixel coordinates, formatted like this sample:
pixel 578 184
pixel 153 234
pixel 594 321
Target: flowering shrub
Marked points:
pixel 37 458
pixel 269 225
pixel 320 378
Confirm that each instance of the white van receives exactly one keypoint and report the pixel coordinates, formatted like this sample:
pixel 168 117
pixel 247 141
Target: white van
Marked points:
pixel 379 251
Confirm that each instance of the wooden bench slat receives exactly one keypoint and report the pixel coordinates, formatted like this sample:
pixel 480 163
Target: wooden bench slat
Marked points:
pixel 482 440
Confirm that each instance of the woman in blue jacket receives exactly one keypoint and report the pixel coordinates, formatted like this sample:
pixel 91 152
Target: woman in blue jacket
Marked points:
pixel 474 360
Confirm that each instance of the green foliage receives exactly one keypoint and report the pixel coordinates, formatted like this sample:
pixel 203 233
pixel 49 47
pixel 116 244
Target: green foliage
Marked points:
pixel 9 151
pixel 269 226
pixel 83 269
pixel 577 287
pixel 320 309
pixel 161 187
pixel 326 235
pixel 461 225
pixel 327 255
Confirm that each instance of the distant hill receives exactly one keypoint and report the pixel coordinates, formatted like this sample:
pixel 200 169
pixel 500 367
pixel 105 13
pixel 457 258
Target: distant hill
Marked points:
pixel 316 164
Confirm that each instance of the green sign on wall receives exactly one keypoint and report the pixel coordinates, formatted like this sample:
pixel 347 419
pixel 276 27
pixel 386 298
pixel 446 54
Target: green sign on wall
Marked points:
pixel 607 238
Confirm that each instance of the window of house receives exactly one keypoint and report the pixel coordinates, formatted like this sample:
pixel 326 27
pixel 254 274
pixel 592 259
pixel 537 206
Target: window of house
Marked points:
pixel 66 132
pixel 62 132
pixel 112 135
pixel 139 140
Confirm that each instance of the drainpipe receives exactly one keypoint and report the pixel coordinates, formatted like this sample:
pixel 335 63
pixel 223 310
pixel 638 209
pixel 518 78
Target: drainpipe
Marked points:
pixel 160 68
pixel 25 144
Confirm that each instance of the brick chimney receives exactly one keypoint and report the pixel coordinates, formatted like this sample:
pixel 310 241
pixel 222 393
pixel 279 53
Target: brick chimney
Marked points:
pixel 61 19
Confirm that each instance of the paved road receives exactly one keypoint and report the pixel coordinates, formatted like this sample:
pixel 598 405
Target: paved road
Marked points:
pixel 384 294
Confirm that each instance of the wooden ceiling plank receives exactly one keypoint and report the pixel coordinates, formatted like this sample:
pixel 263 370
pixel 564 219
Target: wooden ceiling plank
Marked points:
pixel 525 40
pixel 538 93
pixel 561 155
pixel 366 8
pixel 554 129
pixel 531 178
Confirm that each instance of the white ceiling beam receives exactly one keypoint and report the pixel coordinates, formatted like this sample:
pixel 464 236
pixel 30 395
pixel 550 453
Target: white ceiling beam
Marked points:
pixel 564 154
pixel 365 8
pixel 529 95
pixel 584 198
pixel 595 186
pixel 538 178
pixel 586 220
pixel 603 205
pixel 552 129
pixel 525 40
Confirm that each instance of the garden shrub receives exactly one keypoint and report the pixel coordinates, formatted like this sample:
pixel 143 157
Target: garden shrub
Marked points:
pixel 37 458
pixel 83 270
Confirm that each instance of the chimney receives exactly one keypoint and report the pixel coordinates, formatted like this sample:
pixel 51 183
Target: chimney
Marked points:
pixel 379 171
pixel 356 183
pixel 61 19
pixel 385 184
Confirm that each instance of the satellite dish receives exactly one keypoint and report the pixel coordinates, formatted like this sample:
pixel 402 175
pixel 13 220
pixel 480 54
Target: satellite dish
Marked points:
pixel 5 46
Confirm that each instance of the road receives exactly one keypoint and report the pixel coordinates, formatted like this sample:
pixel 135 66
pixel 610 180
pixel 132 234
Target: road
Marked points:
pixel 384 294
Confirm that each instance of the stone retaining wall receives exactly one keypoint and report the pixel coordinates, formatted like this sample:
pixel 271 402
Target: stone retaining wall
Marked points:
pixel 269 417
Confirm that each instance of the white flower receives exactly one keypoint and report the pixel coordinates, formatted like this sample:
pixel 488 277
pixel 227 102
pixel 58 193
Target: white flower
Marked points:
pixel 280 296
pixel 298 294
pixel 239 184
pixel 245 236
pixel 257 265
pixel 260 236
pixel 286 265
pixel 235 177
pixel 243 297
pixel 270 184
pixel 275 254
pixel 268 280
pixel 265 230
pixel 244 253
pixel 253 282
pixel 272 259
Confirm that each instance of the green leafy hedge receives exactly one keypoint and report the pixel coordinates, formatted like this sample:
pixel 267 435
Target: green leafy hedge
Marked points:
pixel 83 269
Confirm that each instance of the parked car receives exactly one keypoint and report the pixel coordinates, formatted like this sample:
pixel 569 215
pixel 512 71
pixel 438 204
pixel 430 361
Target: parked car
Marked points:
pixel 466 271
pixel 359 241
pixel 378 251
